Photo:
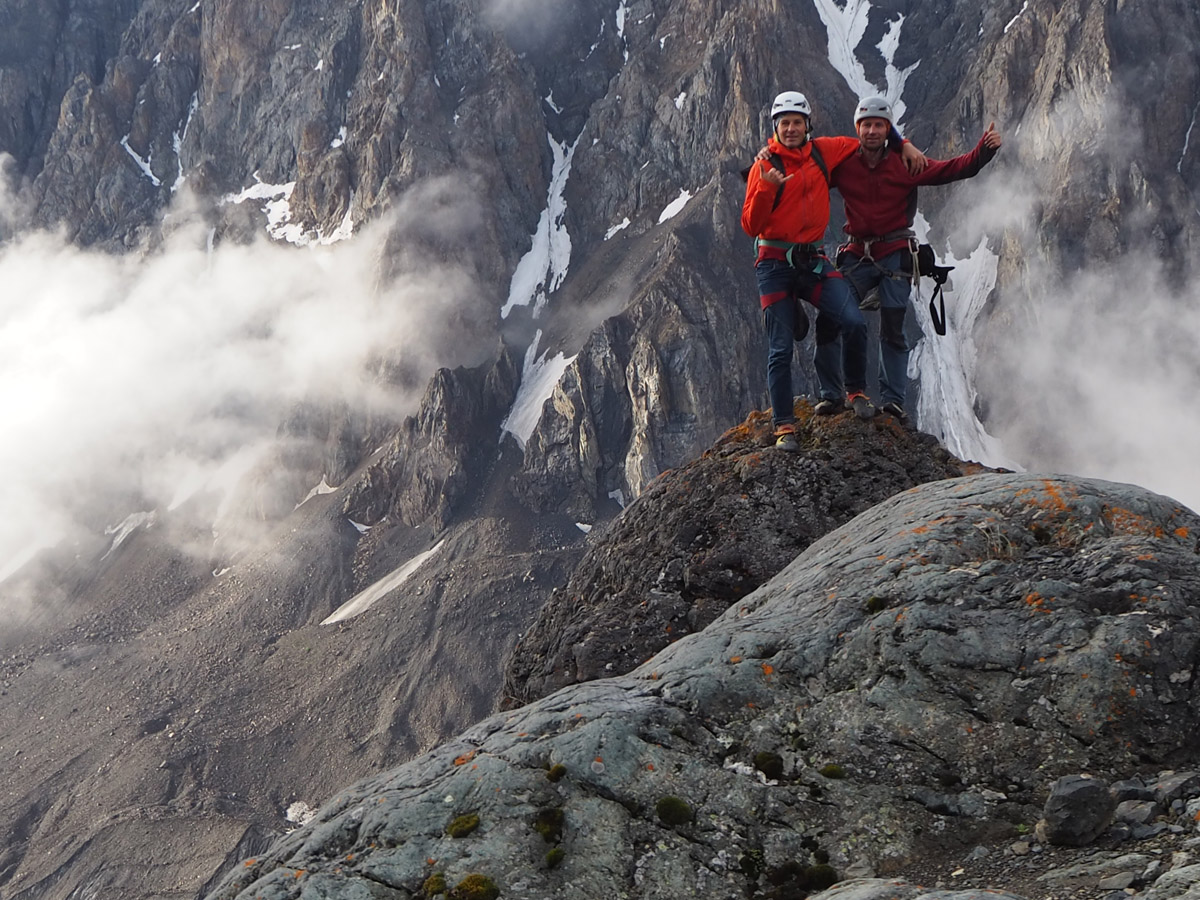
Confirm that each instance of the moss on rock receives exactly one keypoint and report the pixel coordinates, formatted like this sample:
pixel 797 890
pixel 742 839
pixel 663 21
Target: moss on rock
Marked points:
pixel 673 811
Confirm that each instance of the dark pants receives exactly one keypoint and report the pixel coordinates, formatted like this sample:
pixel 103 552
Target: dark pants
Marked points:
pixel 779 284
pixel 893 276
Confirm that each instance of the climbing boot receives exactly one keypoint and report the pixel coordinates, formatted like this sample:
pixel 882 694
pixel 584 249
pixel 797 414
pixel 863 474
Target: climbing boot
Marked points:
pixel 861 405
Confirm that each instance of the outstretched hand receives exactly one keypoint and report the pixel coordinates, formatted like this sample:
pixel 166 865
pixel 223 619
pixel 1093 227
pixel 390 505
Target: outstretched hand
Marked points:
pixel 991 137
pixel 913 158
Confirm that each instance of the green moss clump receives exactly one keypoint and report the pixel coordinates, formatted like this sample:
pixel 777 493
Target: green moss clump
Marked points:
pixel 673 811
pixel 821 876
pixel 463 825
pixel 548 823
pixel 434 884
pixel 475 887
pixel 833 770
pixel 752 863
pixel 554 857
pixel 876 605
pixel 556 772
pixel 770 764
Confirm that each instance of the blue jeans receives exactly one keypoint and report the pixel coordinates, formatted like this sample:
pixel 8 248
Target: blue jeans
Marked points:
pixel 894 292
pixel 829 293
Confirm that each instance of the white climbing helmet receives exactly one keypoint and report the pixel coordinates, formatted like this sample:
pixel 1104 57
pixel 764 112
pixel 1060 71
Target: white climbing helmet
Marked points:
pixel 790 102
pixel 874 108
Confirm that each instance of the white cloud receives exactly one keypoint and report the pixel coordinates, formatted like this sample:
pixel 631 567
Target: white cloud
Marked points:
pixel 142 378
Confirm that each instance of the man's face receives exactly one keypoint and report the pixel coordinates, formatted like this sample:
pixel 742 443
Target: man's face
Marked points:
pixel 873 132
pixel 791 129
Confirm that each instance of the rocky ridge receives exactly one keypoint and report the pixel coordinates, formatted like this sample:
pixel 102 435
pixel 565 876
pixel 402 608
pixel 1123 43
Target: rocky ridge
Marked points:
pixel 704 535
pixel 900 693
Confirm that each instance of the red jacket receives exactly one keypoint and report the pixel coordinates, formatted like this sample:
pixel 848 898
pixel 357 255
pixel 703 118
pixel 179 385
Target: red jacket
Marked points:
pixel 803 212
pixel 883 200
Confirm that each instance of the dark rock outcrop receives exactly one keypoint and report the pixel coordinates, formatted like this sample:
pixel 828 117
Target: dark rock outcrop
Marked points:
pixel 911 671
pixel 706 534
pixel 1077 811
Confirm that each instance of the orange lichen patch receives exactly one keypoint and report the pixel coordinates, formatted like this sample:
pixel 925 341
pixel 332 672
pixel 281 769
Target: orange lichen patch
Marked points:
pixel 429 860
pixel 1084 675
pixel 299 873
pixel 1129 522
pixel 1181 533
pixel 1133 692
pixel 250 862
pixel 349 857
pixel 735 659
pixel 465 758
pixel 649 767
pixel 768 670
pixel 1145 557
pixel 1038 603
pixel 598 759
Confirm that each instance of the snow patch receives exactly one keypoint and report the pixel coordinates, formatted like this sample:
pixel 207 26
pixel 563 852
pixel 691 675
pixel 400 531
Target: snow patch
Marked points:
pixel 549 101
pixel 584 527
pixel 619 227
pixel 679 100
pixel 538 378
pixel 619 496
pixel 340 139
pixel 300 813
pixel 276 207
pixel 675 207
pixel 1013 20
pixel 1187 140
pixel 143 164
pixel 622 13
pixel 177 140
pixel 365 599
pixel 543 268
pixel 128 526
pixel 845 27
pixel 359 527
pixel 322 488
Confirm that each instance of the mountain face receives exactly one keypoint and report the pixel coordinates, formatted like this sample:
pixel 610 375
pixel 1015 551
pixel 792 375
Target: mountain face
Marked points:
pixel 561 182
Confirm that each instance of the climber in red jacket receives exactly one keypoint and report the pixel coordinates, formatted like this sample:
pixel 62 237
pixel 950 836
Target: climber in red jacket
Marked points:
pixel 880 194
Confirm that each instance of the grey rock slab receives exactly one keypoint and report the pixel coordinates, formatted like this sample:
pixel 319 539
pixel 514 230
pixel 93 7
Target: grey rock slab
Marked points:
pixel 1137 812
pixel 991 679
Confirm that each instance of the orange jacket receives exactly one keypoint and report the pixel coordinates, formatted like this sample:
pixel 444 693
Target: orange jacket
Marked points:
pixel 803 212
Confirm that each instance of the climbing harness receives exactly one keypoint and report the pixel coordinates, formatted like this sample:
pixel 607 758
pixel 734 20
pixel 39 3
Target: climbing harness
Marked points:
pixel 921 261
